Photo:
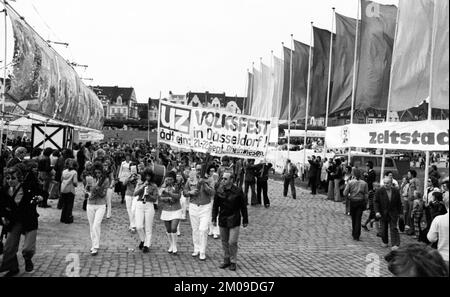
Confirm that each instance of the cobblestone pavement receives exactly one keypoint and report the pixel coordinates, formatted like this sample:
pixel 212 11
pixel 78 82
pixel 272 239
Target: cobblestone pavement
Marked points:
pixel 310 236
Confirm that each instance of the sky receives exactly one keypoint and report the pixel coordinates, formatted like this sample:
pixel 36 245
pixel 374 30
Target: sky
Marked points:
pixel 174 45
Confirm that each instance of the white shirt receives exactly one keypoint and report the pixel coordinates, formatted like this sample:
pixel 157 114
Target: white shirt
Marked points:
pixel 124 171
pixel 439 231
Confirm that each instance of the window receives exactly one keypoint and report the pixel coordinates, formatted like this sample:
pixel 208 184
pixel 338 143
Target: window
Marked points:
pixel 389 162
pixel 119 100
pixel 374 161
pixel 380 121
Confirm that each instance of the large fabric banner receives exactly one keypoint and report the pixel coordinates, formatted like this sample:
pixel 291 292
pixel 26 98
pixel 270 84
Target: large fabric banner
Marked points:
pixel 43 82
pixel 411 136
pixel 217 132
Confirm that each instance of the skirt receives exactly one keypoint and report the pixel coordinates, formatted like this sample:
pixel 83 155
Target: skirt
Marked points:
pixel 171 215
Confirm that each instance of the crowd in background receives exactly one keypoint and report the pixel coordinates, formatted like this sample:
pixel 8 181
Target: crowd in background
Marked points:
pixel 128 171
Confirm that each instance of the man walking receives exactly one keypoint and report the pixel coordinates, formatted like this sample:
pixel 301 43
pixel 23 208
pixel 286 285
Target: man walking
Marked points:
pixel 313 174
pixel 290 172
pixel 261 182
pixel 229 205
pixel 388 208
pixel 250 181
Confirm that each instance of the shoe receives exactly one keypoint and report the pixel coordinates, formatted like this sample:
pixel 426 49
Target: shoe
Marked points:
pixel 224 265
pixel 141 245
pixel 378 234
pixel 146 249
pixel 133 230
pixel 195 254
pixel 216 236
pixel 294 198
pixel 267 205
pixel 29 265
pixel 178 233
pixel 233 266
pixel 210 234
pixel 393 248
pixel 365 228
pixel 202 257
pixel 384 245
pixel 94 252
pixel 12 273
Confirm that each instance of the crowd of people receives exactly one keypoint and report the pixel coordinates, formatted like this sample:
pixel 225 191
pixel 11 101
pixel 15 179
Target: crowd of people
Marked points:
pixel 212 192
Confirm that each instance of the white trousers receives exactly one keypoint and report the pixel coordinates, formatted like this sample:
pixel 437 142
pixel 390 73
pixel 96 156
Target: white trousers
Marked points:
pixel 184 206
pixel 130 202
pixel 95 214
pixel 200 218
pixel 144 221
pixel 109 194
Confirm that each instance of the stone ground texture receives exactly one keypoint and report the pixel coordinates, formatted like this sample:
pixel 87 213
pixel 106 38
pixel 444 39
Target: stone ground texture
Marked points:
pixel 306 237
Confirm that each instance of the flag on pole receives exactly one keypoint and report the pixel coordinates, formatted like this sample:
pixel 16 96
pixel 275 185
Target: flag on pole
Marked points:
pixel 378 23
pixel 284 105
pixel 412 54
pixel 248 102
pixel 256 91
pixel 440 81
pixel 278 78
pixel 321 63
pixel 300 67
pixel 341 98
pixel 263 107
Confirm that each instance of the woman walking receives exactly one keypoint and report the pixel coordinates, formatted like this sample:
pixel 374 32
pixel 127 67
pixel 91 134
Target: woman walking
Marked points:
pixel 358 193
pixel 147 193
pixel 171 209
pixel 96 206
pixel 69 181
pixel 180 182
pixel 130 184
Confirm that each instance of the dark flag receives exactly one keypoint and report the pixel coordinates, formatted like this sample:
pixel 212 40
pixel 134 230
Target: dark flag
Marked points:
pixel 300 67
pixel 374 67
pixel 285 97
pixel 320 69
pixel 341 98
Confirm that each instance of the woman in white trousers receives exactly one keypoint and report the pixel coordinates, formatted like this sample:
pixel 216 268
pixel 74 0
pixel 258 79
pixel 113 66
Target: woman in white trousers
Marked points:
pixel 96 205
pixel 147 194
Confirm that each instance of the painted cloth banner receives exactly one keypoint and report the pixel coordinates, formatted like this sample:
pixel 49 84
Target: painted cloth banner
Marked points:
pixel 217 132
pixel 43 82
pixel 411 136
pixel 278 73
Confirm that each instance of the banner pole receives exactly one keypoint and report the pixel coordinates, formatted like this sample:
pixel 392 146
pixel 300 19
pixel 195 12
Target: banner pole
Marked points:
pixel 430 108
pixel 330 63
pixel 355 60
pixel 290 98
pixel 308 90
pixel 383 159
pixel 4 88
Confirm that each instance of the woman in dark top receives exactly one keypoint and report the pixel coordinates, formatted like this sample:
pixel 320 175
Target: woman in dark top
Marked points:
pixel 45 173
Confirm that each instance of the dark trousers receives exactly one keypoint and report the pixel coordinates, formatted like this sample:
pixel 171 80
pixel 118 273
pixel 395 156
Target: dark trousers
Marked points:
pixel 253 190
pixel 390 224
pixel 289 182
pixel 67 207
pixel 313 183
pixel 240 180
pixel 10 262
pixel 356 212
pixel 261 186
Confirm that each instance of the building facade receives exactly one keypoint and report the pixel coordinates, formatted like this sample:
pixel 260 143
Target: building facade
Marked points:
pixel 118 103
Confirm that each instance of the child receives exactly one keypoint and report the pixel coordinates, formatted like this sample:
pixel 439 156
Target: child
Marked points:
pixel 417 213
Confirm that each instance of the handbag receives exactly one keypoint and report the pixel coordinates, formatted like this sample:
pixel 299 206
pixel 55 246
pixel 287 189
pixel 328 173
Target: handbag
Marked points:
pixel 53 190
pixel 118 187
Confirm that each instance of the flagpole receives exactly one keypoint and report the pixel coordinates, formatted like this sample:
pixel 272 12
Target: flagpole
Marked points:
pixel 352 111
pixel 261 88
pixel 330 63
pixel 383 159
pixel 430 108
pixel 4 87
pixel 307 96
pixel 290 98
pixel 247 89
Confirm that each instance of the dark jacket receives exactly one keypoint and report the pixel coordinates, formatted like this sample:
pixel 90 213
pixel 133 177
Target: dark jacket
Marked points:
pixel 385 207
pixel 250 173
pixel 25 212
pixel 292 173
pixel 370 178
pixel 14 161
pixel 229 204
pixel 314 169
pixel 262 171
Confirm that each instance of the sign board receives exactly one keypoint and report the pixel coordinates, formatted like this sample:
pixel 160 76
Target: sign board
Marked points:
pixel 414 136
pixel 218 132
pixel 52 136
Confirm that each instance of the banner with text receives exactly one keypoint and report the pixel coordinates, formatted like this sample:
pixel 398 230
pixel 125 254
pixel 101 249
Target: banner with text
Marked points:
pixel 217 132
pixel 414 136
